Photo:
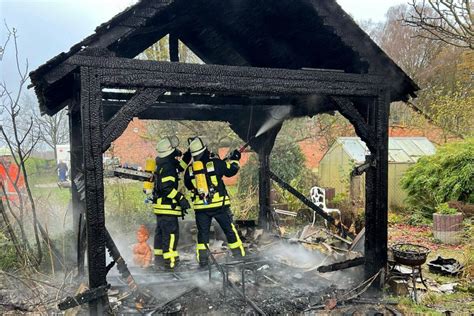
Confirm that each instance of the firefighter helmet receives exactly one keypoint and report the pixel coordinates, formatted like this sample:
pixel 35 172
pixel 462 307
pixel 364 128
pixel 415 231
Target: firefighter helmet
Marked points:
pixel 197 146
pixel 165 148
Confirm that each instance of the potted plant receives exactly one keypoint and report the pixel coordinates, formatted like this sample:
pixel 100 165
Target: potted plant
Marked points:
pixel 447 224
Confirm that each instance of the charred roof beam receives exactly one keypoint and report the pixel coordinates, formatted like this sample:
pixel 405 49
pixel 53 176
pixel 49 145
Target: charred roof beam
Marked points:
pixel 133 74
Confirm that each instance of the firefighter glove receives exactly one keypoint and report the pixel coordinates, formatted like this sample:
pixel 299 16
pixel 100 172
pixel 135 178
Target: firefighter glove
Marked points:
pixel 178 153
pixel 187 156
pixel 184 204
pixel 235 155
pixel 148 200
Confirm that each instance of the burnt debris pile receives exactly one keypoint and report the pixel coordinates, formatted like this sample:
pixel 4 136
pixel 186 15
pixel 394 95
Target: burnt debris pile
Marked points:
pixel 281 274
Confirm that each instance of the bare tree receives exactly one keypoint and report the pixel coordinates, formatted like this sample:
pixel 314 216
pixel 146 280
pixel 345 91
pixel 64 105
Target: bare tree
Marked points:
pixel 217 134
pixel 20 136
pixel 53 129
pixel 448 21
pixel 409 47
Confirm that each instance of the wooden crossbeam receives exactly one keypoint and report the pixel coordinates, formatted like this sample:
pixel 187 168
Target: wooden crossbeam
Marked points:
pixel 203 99
pixel 128 73
pixel 142 99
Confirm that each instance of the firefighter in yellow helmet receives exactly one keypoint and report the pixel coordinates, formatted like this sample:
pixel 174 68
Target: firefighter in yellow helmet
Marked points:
pixel 168 202
pixel 209 196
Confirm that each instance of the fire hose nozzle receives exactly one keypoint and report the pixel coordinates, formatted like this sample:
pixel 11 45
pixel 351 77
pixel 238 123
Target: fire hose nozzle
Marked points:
pixel 247 144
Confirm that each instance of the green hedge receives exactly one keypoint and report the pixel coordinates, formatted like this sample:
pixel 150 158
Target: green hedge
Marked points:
pixel 446 176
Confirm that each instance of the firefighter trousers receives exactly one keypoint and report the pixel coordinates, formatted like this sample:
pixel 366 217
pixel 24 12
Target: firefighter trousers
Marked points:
pixel 203 222
pixel 166 240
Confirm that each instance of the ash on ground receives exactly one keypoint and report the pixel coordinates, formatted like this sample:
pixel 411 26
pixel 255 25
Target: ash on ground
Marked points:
pixel 278 276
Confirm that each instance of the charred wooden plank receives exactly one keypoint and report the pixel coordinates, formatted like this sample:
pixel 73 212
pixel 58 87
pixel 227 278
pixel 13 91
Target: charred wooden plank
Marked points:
pixel 204 99
pixel 342 265
pixel 119 122
pixel 221 70
pixel 83 298
pixel 76 172
pixel 362 127
pixel 225 83
pixel 176 111
pixel 301 197
pixel 140 296
pixel 92 127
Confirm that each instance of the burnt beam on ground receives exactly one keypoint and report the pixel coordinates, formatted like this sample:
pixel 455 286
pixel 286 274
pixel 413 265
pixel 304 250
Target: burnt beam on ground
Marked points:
pixel 342 265
pixel 127 73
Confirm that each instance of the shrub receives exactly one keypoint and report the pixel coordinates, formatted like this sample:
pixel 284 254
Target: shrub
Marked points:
pixel 125 205
pixel 8 255
pixel 444 209
pixel 40 166
pixel 285 161
pixel 447 175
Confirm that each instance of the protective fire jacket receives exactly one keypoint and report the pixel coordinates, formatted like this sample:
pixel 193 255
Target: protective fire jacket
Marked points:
pixel 166 196
pixel 215 169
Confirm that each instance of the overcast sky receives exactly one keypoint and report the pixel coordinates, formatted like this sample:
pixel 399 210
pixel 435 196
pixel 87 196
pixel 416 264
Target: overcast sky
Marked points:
pixel 48 27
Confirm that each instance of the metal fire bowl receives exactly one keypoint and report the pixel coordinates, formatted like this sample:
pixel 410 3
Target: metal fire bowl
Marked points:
pixel 410 254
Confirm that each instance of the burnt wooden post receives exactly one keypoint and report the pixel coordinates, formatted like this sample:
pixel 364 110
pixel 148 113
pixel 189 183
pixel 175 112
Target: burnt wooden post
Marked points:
pixel 174 47
pixel 92 134
pixel 76 173
pixel 370 121
pixel 264 187
pixel 376 181
pixel 263 147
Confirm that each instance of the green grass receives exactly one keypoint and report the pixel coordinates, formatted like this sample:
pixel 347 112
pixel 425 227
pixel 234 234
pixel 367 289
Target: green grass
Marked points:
pixel 124 204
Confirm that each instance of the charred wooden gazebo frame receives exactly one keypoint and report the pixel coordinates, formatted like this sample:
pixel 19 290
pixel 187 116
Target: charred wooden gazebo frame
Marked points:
pixel 96 122
pixel 256 53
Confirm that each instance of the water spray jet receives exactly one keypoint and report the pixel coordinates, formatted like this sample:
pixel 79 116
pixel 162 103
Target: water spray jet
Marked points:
pixel 277 116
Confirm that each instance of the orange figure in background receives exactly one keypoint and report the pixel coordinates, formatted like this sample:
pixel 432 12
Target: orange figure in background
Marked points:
pixel 142 251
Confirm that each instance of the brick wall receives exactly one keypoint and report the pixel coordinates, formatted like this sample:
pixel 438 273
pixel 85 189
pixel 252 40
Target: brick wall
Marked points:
pixel 132 147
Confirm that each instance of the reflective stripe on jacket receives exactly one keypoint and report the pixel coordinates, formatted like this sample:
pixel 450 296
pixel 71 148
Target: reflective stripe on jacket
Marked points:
pixel 165 192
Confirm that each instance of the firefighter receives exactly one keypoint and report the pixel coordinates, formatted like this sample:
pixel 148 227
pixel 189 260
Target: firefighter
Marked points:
pixel 209 196
pixel 168 202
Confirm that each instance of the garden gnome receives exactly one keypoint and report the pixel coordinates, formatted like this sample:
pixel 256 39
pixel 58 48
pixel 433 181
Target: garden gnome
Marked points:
pixel 141 251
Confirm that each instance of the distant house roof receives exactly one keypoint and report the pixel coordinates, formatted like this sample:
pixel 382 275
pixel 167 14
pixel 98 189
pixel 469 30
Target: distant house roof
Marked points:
pixel 292 34
pixel 4 151
pixel 400 149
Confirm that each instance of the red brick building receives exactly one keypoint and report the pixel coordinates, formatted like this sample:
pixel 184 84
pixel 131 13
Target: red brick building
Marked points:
pixel 134 148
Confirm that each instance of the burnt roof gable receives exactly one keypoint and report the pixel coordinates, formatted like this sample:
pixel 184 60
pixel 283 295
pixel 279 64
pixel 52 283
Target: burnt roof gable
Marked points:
pixel 262 33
